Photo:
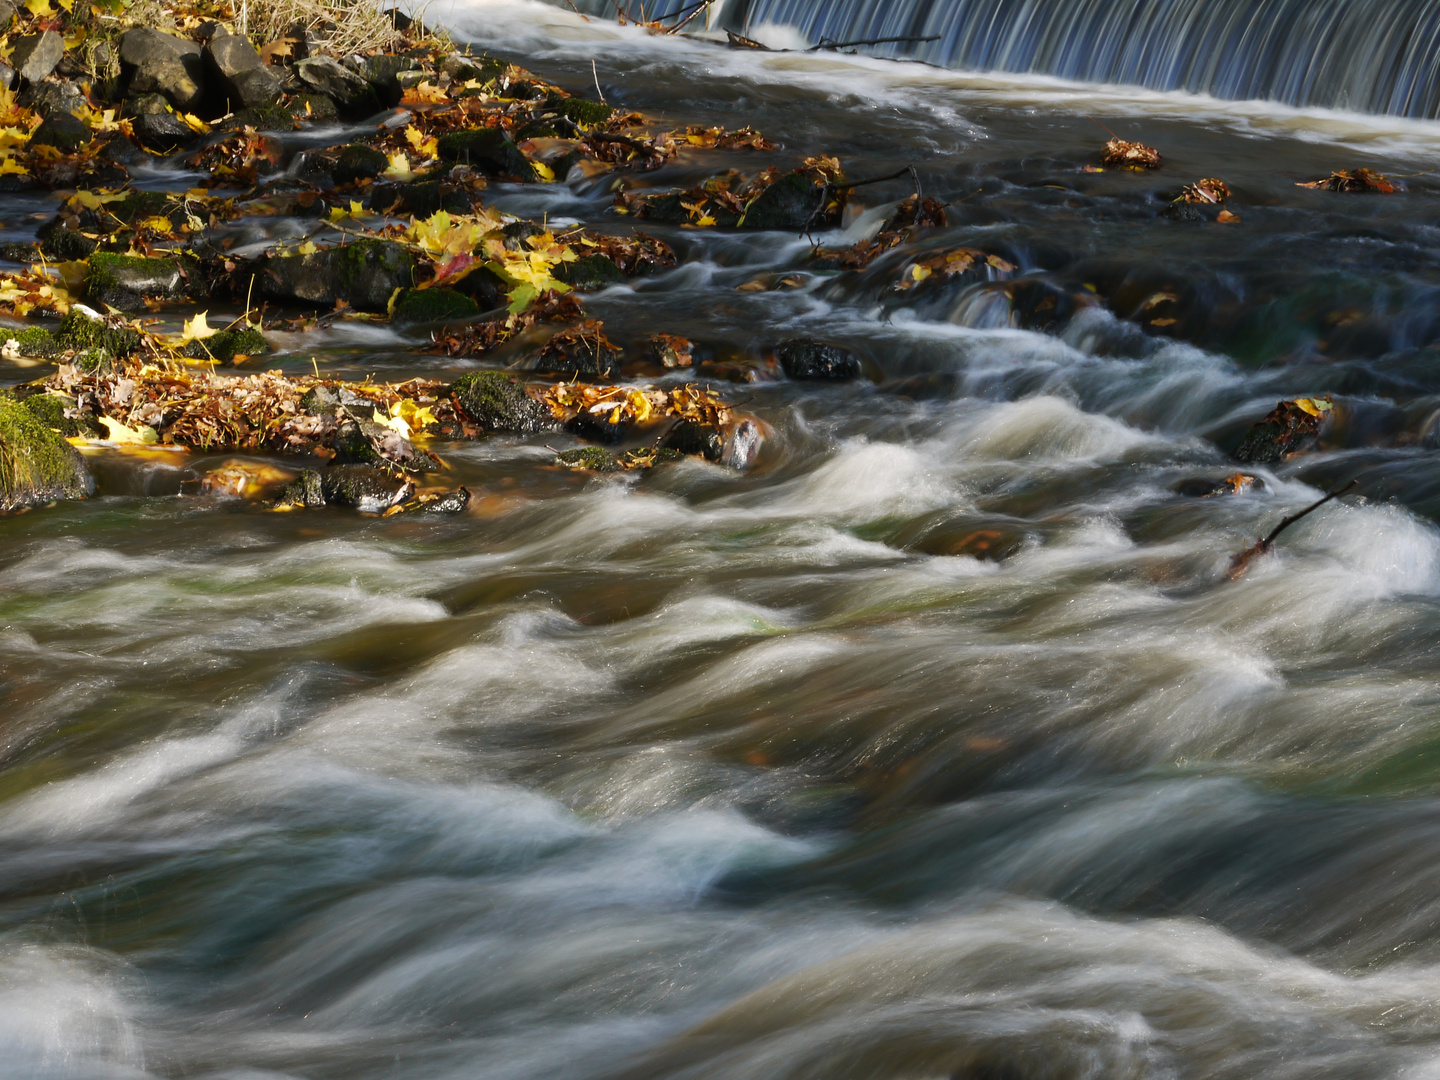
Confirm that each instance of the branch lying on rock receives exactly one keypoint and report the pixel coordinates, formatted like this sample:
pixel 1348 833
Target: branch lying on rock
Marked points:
pixel 1241 562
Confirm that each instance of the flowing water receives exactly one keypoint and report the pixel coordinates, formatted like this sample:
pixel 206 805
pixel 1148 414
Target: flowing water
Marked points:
pixel 786 774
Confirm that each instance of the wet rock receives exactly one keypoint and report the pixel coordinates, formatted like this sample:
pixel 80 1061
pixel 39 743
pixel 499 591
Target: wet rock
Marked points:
pixel 8 77
pixel 590 459
pixel 1290 428
pixel 226 345
pixel 489 149
pixel 64 132
pixel 320 400
pixel 1207 488
pixel 124 281
pixel 356 162
pixel 238 74
pixel 597 427
pixel 382 73
pixel 313 107
pixel 581 111
pixel 811 360
pixel 692 437
pixel 37 465
pixel 433 305
pixel 463 68
pixel 590 272
pixel 19 253
pixel 162 132
pixel 35 343
pixel 145 105
pixel 260 118
pixel 34 56
pixel 353 96
pixel 791 203
pixel 49 98
pixel 152 62
pixel 449 502
pixel 368 490
pixel 7 15
pixel 497 402
pixel 580 350
pixel 139 205
pixel 365 274
pixel 421 199
pixel 84 329
pixel 743 445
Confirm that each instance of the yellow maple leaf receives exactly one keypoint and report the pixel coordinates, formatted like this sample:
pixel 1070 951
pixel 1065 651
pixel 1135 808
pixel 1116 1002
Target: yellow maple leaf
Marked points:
pixel 416 417
pixel 399 167
pixel 307 248
pixel 543 171
pixel 197 328
pixel 117 432
pixel 41 9
pixel 394 423
pixel 356 208
pixel 194 123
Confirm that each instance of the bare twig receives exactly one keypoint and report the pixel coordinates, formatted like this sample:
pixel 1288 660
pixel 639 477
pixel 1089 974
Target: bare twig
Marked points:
pixel 1241 562
pixel 697 9
pixel 598 91
pixel 826 43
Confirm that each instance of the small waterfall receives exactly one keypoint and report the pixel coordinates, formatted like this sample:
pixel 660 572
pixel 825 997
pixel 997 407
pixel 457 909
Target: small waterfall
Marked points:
pixel 1376 56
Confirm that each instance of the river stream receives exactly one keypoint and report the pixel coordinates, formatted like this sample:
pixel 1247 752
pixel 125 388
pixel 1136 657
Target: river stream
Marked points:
pixel 935 745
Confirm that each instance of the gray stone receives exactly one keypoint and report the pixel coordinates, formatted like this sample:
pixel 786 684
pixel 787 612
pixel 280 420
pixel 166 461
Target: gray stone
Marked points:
pixel 34 56
pixel 125 281
pixel 64 132
pixel 239 74
pixel 354 96
pixel 7 15
pixel 364 274
pixel 7 76
pixel 152 62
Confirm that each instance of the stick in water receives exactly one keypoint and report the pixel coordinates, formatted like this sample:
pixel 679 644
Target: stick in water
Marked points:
pixel 1240 563
pixel 826 43
pixel 597 83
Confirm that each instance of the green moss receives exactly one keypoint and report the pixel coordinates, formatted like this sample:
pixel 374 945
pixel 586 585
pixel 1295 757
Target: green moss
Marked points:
pixel 591 458
pixel 352 269
pixel 536 130
pixel 79 331
pixel 489 148
pixel 583 111
pixel 50 408
pixel 262 118
pixel 591 272
pixel 37 465
pixel 123 281
pixel 37 342
pixel 227 344
pixel 356 162
pixel 499 403
pixel 139 205
pixel 433 305
pixel 314 107
pixel 67 245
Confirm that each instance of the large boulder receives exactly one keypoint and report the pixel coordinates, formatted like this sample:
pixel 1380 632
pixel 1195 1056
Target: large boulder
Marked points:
pixel 793 203
pixel 64 132
pixel 125 281
pixel 364 274
pixel 156 63
pixel 353 95
pixel 34 56
pixel 238 74
pixel 37 465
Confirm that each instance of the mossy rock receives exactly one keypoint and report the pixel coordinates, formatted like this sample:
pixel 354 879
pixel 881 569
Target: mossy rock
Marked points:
pixel 127 281
pixel 583 111
pixel 225 345
pixel 37 465
pixel 498 402
pixel 537 129
pixel 79 331
pixel 67 245
pixel 35 342
pixel 356 162
pixel 488 148
pixel 50 409
pixel 94 360
pixel 139 205
pixel 591 272
pixel 590 458
pixel 790 203
pixel 314 107
pixel 262 118
pixel 365 274
pixel 433 305
pixel 20 253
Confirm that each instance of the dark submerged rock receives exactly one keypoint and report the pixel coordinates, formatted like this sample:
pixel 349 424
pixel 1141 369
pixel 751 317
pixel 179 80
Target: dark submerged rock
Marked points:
pixel 497 402
pixel 34 56
pixel 125 281
pixel 1289 428
pixel 589 458
pixel 357 162
pixel 789 203
pixel 691 437
pixel 489 149
pixel 152 62
pixel 421 199
pixel 811 360
pixel 363 488
pixel 162 132
pixel 590 272
pixel 261 118
pixel 37 465
pixel 433 305
pixel 64 132
pixel 365 274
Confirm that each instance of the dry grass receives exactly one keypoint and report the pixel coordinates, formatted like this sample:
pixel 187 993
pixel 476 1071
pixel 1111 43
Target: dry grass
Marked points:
pixel 340 27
